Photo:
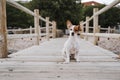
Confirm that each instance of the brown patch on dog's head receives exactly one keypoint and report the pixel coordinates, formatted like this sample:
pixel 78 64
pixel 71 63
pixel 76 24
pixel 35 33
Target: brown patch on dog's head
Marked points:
pixel 77 28
pixel 68 23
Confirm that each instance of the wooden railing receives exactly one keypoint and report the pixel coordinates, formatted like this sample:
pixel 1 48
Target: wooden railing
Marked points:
pixel 96 27
pixel 37 28
pixel 31 32
pixel 105 30
pixel 26 10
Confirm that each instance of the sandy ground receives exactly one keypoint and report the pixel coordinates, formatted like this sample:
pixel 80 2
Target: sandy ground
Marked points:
pixel 110 44
pixel 22 43
pixel 15 45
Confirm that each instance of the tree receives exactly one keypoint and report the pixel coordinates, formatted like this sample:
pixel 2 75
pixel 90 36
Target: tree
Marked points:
pixel 59 10
pixel 17 18
pixel 108 18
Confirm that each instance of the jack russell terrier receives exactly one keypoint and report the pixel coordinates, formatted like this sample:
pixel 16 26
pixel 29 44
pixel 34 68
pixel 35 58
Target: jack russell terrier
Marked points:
pixel 71 46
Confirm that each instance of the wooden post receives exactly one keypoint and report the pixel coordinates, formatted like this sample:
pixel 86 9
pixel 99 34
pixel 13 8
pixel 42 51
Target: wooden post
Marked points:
pixel 36 24
pixel 30 29
pixel 47 29
pixel 95 26
pixel 114 29
pixel 39 32
pixel 3 30
pixel 99 27
pixel 109 29
pixel 82 26
pixel 54 30
pixel 20 31
pixel 87 28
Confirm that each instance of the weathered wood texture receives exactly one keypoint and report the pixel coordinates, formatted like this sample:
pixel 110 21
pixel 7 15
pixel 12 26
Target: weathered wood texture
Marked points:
pixel 87 28
pixel 95 25
pixel 53 48
pixel 47 28
pixel 54 29
pixel 3 33
pixel 44 62
pixel 36 24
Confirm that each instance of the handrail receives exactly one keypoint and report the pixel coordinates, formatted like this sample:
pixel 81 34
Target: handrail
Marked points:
pixel 103 10
pixel 26 10
pixel 27 29
pixel 108 35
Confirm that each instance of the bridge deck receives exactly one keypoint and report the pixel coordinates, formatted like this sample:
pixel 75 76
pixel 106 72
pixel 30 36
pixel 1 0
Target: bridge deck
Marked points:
pixel 44 63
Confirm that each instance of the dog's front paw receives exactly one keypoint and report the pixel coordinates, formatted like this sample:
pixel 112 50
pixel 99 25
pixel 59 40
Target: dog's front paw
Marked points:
pixel 66 61
pixel 77 60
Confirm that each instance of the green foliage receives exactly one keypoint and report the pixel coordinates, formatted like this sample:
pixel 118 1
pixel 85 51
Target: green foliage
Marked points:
pixel 108 18
pixel 17 18
pixel 58 10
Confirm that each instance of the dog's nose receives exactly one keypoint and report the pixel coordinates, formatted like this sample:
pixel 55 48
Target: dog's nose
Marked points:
pixel 72 33
pixel 78 34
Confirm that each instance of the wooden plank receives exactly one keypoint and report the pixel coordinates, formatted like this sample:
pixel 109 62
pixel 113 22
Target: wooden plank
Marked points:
pixel 70 71
pixel 52 67
pixel 59 76
pixel 95 63
pixel 93 59
pixel 36 58
pixel 49 49
pixel 76 66
pixel 63 70
pixel 37 69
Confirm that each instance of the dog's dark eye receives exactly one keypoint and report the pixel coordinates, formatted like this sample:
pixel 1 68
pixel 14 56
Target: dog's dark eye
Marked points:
pixel 71 29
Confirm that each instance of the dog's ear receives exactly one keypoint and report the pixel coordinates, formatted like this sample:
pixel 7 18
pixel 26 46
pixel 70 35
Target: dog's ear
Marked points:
pixel 68 23
pixel 77 28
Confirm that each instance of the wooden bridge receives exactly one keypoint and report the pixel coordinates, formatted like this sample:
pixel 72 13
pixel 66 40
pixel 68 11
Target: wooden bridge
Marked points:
pixel 44 62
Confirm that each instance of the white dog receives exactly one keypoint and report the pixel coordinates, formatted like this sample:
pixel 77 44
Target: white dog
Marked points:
pixel 71 46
